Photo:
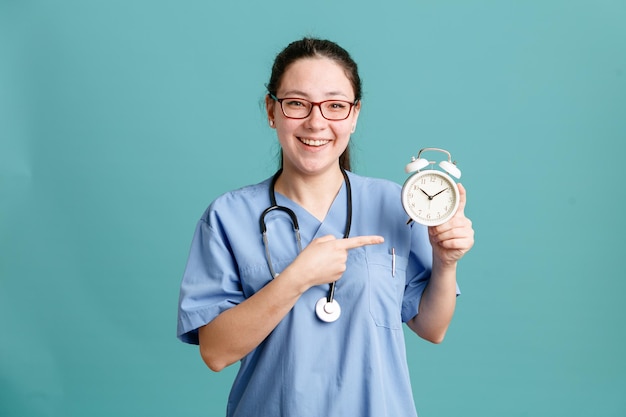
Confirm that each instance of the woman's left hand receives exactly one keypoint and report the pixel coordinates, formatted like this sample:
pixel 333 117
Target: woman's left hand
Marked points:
pixel 451 240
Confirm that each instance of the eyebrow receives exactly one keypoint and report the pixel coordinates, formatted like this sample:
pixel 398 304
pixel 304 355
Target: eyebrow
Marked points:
pixel 297 93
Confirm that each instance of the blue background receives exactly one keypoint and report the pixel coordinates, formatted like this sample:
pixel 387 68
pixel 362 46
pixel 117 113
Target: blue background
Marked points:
pixel 121 120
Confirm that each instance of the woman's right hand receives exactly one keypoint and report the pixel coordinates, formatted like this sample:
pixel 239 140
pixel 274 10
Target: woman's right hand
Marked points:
pixel 324 260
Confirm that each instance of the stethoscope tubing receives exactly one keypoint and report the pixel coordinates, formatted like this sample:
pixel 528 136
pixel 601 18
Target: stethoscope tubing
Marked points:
pixel 296 230
pixel 294 220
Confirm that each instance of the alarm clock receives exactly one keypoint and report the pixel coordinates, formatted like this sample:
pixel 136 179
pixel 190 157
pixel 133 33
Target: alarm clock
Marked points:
pixel 430 196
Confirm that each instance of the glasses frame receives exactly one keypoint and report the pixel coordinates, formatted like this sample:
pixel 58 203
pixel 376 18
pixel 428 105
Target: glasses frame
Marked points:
pixel 313 104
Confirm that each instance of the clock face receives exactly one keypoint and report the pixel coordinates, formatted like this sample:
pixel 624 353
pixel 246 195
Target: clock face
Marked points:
pixel 430 197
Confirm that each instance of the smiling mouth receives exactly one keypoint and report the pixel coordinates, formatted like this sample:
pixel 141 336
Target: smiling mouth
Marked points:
pixel 314 142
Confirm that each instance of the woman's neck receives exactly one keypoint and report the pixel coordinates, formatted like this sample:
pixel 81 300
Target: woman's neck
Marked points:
pixel 315 193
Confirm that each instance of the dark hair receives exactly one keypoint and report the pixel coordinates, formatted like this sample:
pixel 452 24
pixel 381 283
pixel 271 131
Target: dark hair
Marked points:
pixel 311 48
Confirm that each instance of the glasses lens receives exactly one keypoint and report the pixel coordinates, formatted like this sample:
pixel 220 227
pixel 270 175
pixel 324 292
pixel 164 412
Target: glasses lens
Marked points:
pixel 296 108
pixel 335 110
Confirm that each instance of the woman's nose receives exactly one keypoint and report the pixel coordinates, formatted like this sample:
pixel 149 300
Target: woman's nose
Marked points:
pixel 316 119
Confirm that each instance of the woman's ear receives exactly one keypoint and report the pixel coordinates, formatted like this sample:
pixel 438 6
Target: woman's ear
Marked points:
pixel 269 108
pixel 357 108
pixel 355 115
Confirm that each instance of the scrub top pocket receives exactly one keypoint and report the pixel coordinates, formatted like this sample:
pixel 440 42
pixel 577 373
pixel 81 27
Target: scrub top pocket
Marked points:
pixel 386 288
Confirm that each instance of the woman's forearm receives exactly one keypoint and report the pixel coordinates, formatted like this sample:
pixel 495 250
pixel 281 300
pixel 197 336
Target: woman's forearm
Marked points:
pixel 437 304
pixel 239 330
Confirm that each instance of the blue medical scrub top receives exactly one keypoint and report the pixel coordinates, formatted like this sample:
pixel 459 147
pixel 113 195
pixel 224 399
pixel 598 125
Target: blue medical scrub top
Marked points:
pixel 355 366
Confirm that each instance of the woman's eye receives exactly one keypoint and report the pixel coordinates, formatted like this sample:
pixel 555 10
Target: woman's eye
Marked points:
pixel 337 105
pixel 296 103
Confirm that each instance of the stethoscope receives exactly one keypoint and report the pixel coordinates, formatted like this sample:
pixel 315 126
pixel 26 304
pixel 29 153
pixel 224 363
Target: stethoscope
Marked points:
pixel 326 308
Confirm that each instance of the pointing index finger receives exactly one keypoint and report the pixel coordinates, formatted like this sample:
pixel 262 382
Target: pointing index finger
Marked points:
pixel 358 241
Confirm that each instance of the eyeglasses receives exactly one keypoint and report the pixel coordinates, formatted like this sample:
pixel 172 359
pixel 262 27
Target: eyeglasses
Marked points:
pixel 299 108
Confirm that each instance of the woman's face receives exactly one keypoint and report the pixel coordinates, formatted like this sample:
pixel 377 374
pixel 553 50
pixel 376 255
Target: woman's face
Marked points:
pixel 313 145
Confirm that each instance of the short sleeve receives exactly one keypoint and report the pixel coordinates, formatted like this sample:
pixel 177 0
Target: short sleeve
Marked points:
pixel 210 283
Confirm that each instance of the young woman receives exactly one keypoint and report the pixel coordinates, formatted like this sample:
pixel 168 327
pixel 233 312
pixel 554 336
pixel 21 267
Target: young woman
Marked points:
pixel 315 315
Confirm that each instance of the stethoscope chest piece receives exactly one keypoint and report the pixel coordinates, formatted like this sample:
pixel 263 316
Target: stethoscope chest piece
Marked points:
pixel 327 311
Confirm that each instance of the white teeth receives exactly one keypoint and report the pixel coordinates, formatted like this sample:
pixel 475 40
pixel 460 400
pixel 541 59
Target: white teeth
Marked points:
pixel 311 142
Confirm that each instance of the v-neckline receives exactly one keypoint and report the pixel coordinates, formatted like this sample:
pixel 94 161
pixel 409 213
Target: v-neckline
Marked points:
pixel 310 226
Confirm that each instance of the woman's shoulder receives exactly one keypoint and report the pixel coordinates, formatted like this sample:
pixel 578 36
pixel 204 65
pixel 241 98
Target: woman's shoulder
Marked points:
pixel 379 186
pixel 378 206
pixel 240 202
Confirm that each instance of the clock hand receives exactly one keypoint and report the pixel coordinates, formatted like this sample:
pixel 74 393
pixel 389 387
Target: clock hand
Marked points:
pixel 430 197
pixel 439 192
